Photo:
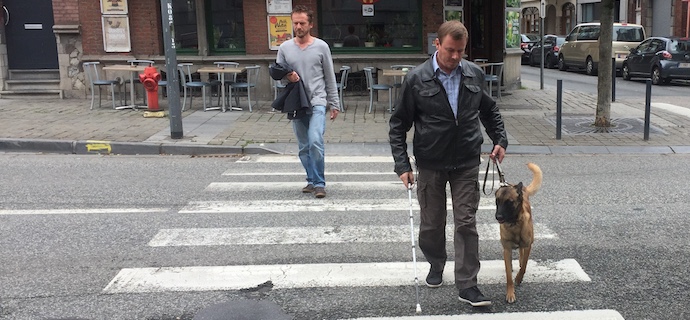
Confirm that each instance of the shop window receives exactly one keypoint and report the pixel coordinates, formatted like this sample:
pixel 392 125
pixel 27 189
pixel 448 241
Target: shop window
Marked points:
pixel 222 21
pixel 225 26
pixel 185 22
pixel 394 26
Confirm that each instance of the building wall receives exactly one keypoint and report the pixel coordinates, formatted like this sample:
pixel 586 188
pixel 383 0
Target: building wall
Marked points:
pixel 78 30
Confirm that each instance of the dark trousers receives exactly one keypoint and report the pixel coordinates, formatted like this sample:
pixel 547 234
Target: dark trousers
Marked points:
pixel 431 192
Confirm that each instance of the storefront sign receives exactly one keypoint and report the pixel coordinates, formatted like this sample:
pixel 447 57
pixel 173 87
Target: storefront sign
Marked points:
pixel 367 10
pixel 279 30
pixel 279 6
pixel 114 6
pixel 116 34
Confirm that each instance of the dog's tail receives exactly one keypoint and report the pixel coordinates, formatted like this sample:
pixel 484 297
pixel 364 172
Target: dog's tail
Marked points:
pixel 534 186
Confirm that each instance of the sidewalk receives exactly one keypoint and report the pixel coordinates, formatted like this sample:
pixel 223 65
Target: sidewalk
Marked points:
pixel 68 126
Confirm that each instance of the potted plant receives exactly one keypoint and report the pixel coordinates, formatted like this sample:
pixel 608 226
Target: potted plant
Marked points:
pixel 372 38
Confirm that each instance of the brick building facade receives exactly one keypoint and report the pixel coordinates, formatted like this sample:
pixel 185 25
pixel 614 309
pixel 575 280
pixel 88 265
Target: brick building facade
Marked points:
pixel 78 30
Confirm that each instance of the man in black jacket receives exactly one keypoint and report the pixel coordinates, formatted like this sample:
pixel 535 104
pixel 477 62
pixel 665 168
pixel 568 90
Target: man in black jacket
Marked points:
pixel 444 99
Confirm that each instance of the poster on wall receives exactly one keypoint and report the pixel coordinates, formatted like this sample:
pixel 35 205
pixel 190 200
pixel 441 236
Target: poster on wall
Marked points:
pixel 114 6
pixel 116 34
pixel 279 30
pixel 512 29
pixel 279 6
pixel 454 15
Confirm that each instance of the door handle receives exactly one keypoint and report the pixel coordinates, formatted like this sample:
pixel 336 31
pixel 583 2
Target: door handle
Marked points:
pixel 7 12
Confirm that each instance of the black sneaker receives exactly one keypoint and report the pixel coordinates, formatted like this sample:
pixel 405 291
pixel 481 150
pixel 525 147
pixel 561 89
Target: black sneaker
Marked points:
pixel 434 279
pixel 308 189
pixel 474 297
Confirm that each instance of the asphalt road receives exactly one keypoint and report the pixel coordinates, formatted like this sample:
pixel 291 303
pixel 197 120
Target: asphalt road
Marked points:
pixel 70 225
pixel 577 80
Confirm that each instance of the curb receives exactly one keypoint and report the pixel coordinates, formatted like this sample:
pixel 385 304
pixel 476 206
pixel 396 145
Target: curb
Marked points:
pixel 351 149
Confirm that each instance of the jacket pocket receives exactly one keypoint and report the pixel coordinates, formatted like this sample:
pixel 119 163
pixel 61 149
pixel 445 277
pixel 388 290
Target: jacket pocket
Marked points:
pixel 429 91
pixel 473 88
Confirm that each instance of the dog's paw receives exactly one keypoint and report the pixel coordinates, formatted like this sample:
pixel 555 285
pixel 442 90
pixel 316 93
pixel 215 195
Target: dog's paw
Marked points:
pixel 510 297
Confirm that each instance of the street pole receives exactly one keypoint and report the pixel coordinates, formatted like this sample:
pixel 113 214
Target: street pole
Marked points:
pixel 173 87
pixel 542 14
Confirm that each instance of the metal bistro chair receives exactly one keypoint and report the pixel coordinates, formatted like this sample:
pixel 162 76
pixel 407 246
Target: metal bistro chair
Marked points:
pixel 188 84
pixel 229 78
pixel 494 74
pixel 342 85
pixel 136 62
pixel 373 86
pixel 252 80
pixel 397 80
pixel 93 74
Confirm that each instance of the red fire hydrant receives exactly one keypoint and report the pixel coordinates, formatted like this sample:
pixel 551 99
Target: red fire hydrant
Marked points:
pixel 150 79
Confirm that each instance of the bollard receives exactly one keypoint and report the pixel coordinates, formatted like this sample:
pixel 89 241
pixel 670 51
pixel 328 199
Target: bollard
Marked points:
pixel 559 107
pixel 613 80
pixel 150 79
pixel 647 109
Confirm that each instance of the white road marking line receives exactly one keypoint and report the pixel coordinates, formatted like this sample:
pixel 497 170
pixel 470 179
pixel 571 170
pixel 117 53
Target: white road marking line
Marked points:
pixel 313 205
pixel 327 173
pixel 310 235
pixel 327 159
pixel 207 278
pixel 671 108
pixel 337 186
pixel 553 315
pixel 82 211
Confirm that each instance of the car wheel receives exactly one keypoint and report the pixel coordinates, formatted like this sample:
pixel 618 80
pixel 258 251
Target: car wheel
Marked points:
pixel 656 76
pixel 561 64
pixel 550 63
pixel 626 72
pixel 589 67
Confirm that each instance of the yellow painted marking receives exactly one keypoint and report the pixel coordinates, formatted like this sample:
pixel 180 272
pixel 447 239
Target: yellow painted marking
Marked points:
pixel 98 146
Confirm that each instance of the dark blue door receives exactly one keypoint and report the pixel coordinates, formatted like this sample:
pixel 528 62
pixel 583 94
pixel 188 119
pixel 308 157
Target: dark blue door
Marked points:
pixel 29 33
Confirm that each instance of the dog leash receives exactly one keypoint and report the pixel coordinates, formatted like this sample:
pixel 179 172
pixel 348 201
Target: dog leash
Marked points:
pixel 501 177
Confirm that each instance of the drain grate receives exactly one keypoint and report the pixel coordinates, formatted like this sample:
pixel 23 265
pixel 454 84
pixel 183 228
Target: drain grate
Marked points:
pixel 584 125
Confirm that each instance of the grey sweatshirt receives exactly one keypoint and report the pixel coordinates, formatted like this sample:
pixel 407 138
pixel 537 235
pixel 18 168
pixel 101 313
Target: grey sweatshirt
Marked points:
pixel 314 65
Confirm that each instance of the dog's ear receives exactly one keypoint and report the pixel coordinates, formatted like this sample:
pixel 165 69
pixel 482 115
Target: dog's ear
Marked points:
pixel 518 188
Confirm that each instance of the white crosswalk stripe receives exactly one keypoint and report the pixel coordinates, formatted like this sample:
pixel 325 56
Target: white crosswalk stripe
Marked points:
pixel 310 205
pixel 205 278
pixel 309 235
pixel 554 315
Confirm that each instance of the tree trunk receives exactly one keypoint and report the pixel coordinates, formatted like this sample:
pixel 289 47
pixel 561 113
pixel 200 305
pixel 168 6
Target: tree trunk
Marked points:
pixel 603 116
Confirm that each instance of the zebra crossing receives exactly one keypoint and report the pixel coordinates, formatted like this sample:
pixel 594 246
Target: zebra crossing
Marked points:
pixel 351 191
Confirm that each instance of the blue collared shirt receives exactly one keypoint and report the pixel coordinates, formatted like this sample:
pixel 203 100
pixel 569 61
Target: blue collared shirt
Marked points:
pixel 451 82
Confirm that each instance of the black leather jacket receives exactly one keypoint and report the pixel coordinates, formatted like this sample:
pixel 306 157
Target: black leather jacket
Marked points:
pixel 440 141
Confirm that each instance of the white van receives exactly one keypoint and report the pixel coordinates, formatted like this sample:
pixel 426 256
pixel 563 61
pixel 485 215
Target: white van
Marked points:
pixel 581 47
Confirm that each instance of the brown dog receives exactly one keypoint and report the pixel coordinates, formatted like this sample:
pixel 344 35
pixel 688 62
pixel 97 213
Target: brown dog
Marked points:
pixel 513 212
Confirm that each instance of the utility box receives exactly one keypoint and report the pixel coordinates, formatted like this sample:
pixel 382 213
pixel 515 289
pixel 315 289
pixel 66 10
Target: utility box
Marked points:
pixel 431 47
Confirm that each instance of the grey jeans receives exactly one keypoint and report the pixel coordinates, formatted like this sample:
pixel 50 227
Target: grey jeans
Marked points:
pixel 431 192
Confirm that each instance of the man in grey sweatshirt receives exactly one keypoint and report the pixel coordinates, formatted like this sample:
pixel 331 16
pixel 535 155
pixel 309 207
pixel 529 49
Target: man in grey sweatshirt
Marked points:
pixel 311 59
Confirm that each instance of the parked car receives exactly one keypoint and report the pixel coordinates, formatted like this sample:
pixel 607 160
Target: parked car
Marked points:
pixel 660 58
pixel 526 42
pixel 552 44
pixel 581 47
